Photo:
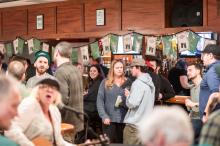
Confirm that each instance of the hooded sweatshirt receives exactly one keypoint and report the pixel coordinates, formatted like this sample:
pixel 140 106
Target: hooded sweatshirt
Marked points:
pixel 141 99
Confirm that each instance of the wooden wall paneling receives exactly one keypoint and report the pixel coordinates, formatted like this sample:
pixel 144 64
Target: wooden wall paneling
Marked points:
pixel 14 23
pixel 142 14
pixel 49 21
pixel 112 15
pixel 70 18
pixel 213 16
pixel 0 24
pixel 205 12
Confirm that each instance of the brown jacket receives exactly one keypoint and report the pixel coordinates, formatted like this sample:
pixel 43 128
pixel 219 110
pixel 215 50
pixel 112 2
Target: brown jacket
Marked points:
pixel 72 93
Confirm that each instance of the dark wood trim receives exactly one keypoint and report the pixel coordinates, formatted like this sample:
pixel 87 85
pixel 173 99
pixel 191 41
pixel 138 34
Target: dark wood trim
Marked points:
pixel 164 14
pixel 120 14
pixel 205 12
pixel 27 22
pixel 1 21
pixel 83 17
pixel 55 20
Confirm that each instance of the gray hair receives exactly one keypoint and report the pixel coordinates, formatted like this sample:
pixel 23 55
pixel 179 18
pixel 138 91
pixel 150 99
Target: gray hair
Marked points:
pixel 7 85
pixel 65 49
pixel 172 122
pixel 16 69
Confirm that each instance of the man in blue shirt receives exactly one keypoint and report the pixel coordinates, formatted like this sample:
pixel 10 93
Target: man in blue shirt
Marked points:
pixel 211 81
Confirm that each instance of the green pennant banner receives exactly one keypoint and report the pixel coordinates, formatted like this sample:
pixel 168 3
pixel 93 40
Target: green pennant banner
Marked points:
pixel 193 41
pixel 137 42
pixel 114 43
pixel 37 45
pixel 20 46
pixel 95 50
pixel 9 49
pixel 169 47
pixel 74 55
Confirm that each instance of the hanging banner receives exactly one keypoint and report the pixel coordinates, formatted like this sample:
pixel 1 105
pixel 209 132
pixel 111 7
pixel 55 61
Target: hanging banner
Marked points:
pixel 127 43
pixel 84 53
pixel 106 46
pixel 37 45
pixel 151 45
pixel 15 46
pixel 18 45
pixel 183 41
pixel 74 55
pixel 2 48
pixel 45 47
pixel 114 43
pixel 137 42
pixel 9 49
pixel 207 42
pixel 30 45
pixel 95 52
pixel 193 41
pixel 170 47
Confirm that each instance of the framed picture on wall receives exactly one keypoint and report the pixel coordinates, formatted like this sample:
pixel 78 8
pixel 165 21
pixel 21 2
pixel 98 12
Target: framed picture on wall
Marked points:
pixel 40 22
pixel 100 17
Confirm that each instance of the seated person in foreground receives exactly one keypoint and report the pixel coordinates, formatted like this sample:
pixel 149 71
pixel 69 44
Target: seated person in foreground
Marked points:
pixel 38 116
pixel 166 126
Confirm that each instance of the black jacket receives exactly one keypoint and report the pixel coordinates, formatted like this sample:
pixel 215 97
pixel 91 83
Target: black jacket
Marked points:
pixel 166 88
pixel 91 97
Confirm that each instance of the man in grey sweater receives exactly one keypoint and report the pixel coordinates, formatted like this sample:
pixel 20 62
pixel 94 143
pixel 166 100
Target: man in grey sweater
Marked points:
pixel 71 87
pixel 140 101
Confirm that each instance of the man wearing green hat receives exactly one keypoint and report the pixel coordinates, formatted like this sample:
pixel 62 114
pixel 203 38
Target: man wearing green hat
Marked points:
pixel 41 63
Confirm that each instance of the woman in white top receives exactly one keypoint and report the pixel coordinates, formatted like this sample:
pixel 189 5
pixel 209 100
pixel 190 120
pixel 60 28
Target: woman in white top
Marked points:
pixel 38 116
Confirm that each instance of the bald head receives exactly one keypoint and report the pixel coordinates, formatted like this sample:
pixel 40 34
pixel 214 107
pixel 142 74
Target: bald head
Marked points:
pixel 17 70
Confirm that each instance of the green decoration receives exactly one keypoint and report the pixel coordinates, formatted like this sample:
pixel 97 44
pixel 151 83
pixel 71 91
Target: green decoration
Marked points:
pixel 74 55
pixel 193 41
pixel 114 43
pixel 137 42
pixel 20 45
pixel 95 50
pixel 9 49
pixel 37 45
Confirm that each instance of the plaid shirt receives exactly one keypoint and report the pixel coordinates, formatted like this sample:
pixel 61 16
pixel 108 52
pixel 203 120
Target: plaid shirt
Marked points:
pixel 211 130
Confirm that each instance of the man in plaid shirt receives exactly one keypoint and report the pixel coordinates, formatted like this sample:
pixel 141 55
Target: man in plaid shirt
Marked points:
pixel 210 135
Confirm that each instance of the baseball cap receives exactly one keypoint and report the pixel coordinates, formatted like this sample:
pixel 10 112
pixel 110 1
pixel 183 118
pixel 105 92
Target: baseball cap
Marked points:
pixel 49 80
pixel 42 54
pixel 212 48
pixel 138 62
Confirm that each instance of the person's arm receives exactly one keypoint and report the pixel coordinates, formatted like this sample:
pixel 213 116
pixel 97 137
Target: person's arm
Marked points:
pixel 64 88
pixel 166 89
pixel 213 100
pixel 213 81
pixel 189 103
pixel 20 124
pixel 100 101
pixel 134 97
pixel 184 82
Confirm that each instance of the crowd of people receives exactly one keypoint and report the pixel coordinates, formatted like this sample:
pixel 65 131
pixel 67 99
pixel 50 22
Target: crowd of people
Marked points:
pixel 122 106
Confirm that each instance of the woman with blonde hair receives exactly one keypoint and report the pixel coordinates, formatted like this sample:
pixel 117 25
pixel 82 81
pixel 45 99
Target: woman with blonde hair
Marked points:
pixel 111 102
pixel 38 116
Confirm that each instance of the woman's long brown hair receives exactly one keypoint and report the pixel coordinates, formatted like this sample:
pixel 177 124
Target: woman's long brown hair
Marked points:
pixel 110 78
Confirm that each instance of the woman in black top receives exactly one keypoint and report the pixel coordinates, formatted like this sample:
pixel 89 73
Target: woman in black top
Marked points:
pixel 90 98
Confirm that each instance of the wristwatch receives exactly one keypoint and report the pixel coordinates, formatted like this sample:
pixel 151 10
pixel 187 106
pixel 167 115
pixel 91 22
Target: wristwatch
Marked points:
pixel 204 113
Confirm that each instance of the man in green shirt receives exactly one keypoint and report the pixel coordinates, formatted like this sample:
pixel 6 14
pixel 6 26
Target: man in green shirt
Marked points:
pixel 194 72
pixel 9 101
